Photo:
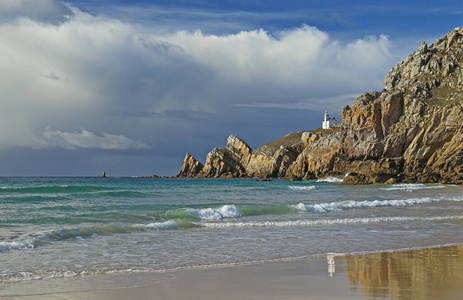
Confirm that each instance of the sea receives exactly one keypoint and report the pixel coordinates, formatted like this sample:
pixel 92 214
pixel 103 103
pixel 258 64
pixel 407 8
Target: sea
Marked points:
pixel 70 227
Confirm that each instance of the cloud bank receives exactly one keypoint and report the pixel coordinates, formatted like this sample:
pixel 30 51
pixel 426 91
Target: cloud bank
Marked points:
pixel 66 69
pixel 85 140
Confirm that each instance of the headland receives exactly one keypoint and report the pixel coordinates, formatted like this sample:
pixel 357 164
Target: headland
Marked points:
pixel 411 131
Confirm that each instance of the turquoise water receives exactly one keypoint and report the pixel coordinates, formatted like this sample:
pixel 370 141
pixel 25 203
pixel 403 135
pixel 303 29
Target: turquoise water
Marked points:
pixel 59 227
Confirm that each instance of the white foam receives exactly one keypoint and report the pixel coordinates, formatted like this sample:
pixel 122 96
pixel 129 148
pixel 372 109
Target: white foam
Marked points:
pixel 226 211
pixel 331 206
pixel 330 179
pixel 17 245
pixel 327 222
pixel 230 211
pixel 207 214
pixel 412 187
pixel 171 224
pixel 302 188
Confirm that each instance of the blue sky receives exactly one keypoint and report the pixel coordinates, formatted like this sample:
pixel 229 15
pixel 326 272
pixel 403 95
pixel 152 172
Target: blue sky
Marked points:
pixel 343 19
pixel 130 86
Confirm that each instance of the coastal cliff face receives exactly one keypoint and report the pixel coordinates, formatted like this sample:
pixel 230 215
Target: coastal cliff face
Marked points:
pixel 409 132
pixel 318 157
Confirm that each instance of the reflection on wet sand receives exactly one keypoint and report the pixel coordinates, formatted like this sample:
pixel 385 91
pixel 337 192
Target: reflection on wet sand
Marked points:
pixel 435 273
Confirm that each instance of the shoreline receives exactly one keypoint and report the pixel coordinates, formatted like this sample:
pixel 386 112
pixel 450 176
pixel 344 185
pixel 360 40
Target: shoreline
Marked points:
pixel 425 273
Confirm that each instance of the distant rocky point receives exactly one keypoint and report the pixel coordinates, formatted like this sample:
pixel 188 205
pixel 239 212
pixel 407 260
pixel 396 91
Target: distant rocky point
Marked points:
pixel 409 132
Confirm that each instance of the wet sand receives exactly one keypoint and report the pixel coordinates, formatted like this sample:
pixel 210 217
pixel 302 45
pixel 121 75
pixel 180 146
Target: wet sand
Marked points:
pixel 435 273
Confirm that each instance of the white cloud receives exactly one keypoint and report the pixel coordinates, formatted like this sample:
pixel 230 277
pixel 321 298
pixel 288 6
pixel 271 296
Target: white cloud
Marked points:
pixel 108 76
pixel 85 140
pixel 46 11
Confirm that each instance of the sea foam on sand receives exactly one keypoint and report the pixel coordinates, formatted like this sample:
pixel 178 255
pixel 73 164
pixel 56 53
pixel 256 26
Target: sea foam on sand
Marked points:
pixel 328 277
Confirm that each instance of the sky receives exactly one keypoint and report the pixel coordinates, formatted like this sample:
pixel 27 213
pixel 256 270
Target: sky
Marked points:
pixel 129 87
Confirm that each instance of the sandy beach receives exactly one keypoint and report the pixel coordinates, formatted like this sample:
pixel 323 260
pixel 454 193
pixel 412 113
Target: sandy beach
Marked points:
pixel 434 273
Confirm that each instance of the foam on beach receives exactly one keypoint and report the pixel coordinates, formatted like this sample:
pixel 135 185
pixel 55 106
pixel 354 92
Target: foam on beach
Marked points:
pixel 327 222
pixel 18 245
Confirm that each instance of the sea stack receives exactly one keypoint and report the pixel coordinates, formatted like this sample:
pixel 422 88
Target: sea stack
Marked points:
pixel 104 174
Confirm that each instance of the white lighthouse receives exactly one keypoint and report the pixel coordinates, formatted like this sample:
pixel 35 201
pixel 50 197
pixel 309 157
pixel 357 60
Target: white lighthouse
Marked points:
pixel 328 122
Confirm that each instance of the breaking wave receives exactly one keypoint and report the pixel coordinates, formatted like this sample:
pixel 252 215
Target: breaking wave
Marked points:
pixel 197 217
pixel 330 179
pixel 332 206
pixel 226 211
pixel 302 188
pixel 88 232
pixel 18 245
pixel 412 187
pixel 327 222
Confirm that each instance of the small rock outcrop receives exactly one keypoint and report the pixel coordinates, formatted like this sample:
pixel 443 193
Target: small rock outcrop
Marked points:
pixel 230 161
pixel 412 131
pixel 191 167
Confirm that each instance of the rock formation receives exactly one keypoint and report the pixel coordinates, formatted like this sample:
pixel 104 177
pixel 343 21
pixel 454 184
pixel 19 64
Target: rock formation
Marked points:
pixel 273 159
pixel 409 132
pixel 191 167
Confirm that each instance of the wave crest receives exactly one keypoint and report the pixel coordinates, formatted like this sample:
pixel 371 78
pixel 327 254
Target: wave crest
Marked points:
pixel 412 187
pixel 330 179
pixel 332 206
pixel 302 188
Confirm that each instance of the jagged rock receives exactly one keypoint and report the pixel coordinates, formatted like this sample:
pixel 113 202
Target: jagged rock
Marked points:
pixel 355 179
pixel 420 112
pixel 275 165
pixel 384 167
pixel 230 161
pixel 392 181
pixel 222 162
pixel 273 159
pixel 240 149
pixel 317 158
pixel 191 167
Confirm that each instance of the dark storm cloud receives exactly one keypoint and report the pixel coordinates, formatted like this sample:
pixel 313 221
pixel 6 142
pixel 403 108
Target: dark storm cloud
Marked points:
pixel 96 83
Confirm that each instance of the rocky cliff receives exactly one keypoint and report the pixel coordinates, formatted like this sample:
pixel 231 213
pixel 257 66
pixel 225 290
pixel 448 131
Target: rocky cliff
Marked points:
pixel 409 132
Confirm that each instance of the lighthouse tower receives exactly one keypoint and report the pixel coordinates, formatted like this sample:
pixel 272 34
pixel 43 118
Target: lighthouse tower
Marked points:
pixel 328 122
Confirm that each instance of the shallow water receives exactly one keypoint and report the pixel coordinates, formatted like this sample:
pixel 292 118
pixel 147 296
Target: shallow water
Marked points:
pixel 60 227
